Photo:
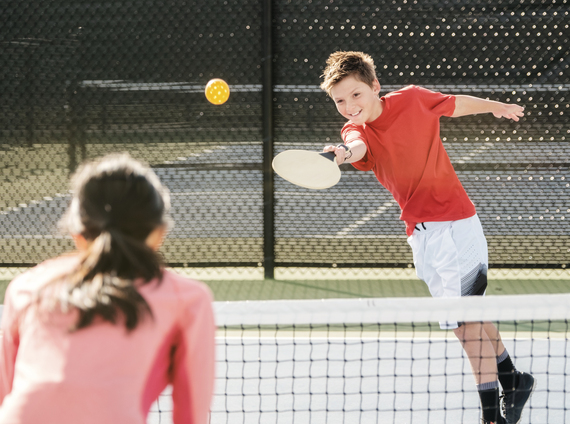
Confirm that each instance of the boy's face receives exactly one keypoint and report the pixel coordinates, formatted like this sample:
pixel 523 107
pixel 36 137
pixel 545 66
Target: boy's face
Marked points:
pixel 356 100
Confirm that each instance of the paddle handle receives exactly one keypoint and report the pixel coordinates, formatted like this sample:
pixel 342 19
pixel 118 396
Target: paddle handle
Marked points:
pixel 329 155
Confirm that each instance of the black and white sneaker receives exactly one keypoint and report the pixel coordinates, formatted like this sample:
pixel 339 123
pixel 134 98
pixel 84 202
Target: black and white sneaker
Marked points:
pixel 513 402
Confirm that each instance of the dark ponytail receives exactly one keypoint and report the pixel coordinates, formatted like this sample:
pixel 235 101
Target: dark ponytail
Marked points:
pixel 117 203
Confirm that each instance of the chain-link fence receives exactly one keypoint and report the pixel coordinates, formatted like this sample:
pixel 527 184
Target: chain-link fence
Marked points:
pixel 81 79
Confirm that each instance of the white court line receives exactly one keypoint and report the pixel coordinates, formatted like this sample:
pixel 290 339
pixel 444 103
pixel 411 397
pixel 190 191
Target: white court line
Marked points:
pixel 36 236
pixel 362 221
pixel 191 156
pixel 312 194
pixel 385 335
pixel 227 194
pixel 475 152
pixel 189 87
pixel 338 337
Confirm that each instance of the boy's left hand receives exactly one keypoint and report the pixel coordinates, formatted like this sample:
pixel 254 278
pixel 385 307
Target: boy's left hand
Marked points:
pixel 509 111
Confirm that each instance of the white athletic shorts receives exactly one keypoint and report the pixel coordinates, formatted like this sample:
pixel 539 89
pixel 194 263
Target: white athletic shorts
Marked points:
pixel 451 257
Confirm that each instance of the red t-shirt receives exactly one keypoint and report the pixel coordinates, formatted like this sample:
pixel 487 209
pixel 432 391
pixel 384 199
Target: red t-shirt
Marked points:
pixel 405 151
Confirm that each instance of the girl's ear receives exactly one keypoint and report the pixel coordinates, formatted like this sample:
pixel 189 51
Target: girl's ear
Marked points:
pixel 156 237
pixel 80 242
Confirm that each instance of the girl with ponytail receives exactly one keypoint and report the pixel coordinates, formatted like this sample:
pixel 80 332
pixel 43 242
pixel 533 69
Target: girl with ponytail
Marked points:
pixel 96 336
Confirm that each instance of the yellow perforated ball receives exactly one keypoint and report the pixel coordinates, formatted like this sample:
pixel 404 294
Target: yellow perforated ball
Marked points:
pixel 217 91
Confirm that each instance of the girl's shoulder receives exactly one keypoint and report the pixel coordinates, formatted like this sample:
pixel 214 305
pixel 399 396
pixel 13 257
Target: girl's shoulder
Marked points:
pixel 183 287
pixel 22 288
pixel 46 271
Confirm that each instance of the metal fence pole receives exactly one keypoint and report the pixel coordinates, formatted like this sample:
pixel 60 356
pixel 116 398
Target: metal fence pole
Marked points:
pixel 267 116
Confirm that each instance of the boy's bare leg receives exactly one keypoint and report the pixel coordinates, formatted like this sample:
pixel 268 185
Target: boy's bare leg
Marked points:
pixel 494 337
pixel 480 350
pixel 481 353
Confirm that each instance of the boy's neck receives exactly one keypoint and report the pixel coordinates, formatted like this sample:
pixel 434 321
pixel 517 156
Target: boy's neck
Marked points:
pixel 377 112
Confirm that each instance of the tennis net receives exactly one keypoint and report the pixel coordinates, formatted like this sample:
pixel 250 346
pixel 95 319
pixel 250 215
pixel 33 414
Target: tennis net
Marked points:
pixel 378 360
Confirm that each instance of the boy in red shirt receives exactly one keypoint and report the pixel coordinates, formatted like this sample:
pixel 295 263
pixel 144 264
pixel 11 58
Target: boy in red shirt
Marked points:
pixel 397 137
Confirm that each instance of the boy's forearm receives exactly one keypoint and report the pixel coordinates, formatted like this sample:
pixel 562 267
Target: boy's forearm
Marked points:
pixel 469 105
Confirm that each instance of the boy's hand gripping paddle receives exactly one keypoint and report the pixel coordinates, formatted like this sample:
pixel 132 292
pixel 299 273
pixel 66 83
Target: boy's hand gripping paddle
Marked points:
pixel 307 169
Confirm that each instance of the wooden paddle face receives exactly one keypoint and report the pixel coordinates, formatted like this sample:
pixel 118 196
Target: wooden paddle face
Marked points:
pixel 307 169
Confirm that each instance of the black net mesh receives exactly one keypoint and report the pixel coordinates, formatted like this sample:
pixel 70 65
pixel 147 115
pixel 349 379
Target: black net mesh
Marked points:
pixel 81 79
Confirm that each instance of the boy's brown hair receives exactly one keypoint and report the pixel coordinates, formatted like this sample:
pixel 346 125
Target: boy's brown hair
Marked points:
pixel 343 64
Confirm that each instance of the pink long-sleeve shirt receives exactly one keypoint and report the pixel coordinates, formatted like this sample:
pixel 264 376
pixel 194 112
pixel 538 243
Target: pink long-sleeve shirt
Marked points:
pixel 102 373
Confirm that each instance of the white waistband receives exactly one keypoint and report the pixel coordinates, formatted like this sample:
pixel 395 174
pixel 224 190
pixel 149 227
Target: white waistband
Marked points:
pixel 425 227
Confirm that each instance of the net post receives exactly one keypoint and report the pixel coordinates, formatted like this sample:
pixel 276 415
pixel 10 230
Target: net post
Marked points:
pixel 267 129
pixel 30 79
pixel 74 105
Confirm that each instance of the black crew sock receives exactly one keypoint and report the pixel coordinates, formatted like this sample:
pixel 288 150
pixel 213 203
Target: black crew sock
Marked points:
pixel 507 372
pixel 489 395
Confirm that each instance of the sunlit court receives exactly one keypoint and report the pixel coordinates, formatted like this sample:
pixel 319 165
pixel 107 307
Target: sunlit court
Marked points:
pixel 319 312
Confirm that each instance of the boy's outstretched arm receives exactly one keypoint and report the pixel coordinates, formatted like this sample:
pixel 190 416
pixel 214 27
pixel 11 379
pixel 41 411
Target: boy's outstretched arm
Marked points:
pixel 469 105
